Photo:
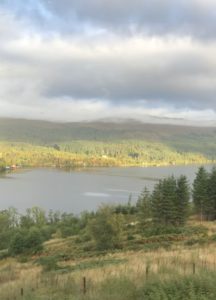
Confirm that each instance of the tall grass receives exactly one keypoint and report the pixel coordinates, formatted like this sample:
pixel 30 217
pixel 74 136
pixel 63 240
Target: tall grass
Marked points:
pixel 164 275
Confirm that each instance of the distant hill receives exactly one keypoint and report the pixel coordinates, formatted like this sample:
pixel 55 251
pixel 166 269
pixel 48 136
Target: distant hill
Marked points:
pixel 181 138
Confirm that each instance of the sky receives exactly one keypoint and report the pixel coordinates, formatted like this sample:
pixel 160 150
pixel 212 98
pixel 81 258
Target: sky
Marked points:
pixel 69 60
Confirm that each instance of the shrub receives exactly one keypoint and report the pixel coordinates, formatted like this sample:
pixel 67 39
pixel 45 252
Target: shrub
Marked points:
pixel 48 263
pixel 106 229
pixel 26 242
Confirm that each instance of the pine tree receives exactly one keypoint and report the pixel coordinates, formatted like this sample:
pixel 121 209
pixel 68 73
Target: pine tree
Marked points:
pixel 157 203
pixel 211 209
pixel 144 207
pixel 163 202
pixel 200 193
pixel 182 200
pixel 169 200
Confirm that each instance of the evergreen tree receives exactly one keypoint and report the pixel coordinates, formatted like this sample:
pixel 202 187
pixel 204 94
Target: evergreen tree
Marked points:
pixel 169 200
pixel 211 209
pixel 200 193
pixel 157 203
pixel 163 202
pixel 182 200
pixel 144 207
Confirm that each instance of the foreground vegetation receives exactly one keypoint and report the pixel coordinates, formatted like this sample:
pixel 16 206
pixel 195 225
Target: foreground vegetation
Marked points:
pixel 158 248
pixel 160 274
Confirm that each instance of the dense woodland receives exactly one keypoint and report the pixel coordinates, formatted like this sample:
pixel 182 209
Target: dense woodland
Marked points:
pixel 43 144
pixel 87 154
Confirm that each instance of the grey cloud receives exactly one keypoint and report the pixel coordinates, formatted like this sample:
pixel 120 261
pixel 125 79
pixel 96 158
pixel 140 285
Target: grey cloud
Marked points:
pixel 184 17
pixel 161 73
pixel 60 77
pixel 129 77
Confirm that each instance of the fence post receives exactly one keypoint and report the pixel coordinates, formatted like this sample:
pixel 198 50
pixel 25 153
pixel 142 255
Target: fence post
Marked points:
pixel 84 285
pixel 22 292
pixel 147 271
pixel 194 268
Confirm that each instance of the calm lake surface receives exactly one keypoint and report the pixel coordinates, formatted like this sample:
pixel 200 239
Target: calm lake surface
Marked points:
pixel 76 191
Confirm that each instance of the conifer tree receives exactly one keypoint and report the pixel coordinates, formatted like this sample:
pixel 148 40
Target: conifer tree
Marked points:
pixel 169 200
pixel 182 200
pixel 163 202
pixel 144 207
pixel 157 203
pixel 200 193
pixel 211 207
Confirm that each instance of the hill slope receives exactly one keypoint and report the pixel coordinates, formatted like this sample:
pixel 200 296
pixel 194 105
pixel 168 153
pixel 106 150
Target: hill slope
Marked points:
pixel 123 143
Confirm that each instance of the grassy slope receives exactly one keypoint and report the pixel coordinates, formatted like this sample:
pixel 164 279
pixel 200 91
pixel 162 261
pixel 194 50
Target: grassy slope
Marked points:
pixel 130 275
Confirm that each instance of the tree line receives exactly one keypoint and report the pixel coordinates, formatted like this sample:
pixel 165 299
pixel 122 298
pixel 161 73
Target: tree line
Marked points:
pixel 95 153
pixel 204 194
pixel 172 199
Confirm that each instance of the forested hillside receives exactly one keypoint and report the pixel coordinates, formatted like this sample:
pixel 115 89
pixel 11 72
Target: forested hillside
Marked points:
pixel 40 143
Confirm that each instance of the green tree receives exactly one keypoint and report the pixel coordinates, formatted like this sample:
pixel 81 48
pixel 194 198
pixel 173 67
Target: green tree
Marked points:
pixel 163 202
pixel 200 193
pixel 5 230
pixel 106 228
pixel 17 244
pixel 69 225
pixel 26 242
pixel 211 208
pixel 144 207
pixel 170 201
pixel 182 200
pixel 35 216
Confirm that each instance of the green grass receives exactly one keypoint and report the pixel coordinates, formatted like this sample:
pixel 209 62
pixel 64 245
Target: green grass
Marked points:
pixel 51 263
pixel 190 287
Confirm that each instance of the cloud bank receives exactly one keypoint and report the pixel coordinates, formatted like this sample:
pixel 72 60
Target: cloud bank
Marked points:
pixel 84 60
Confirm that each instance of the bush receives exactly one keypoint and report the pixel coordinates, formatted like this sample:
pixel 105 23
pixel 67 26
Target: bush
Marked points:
pixel 193 287
pixel 106 229
pixel 4 254
pixel 26 242
pixel 130 237
pixel 197 241
pixel 162 230
pixel 49 263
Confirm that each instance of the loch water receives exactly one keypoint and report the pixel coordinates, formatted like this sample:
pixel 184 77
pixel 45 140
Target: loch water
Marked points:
pixel 85 189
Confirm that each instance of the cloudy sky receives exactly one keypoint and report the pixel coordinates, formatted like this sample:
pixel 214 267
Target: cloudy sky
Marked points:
pixel 72 60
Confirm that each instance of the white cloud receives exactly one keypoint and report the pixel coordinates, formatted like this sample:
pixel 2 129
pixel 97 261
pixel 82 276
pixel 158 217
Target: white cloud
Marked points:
pixel 100 74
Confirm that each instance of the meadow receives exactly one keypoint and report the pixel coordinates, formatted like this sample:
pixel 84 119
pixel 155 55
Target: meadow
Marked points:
pixel 182 268
pixel 178 273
